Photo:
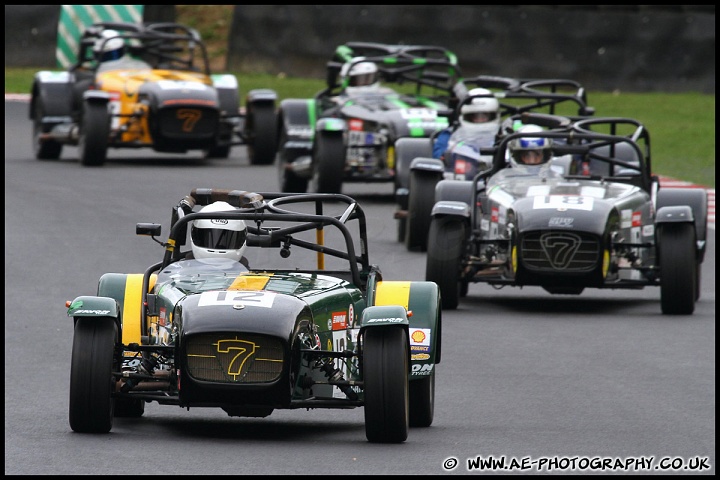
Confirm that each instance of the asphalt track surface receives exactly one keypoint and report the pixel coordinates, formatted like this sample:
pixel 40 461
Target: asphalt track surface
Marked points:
pixel 602 377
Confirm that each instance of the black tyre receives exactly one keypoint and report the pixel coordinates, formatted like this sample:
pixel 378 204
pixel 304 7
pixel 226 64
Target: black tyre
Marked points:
pixel 422 401
pixel 385 375
pixel 263 132
pixel 289 182
pixel 91 380
pixel 408 149
pixel 129 407
pixel 218 152
pixel 446 245
pixel 46 149
pixel 678 268
pixel 329 163
pixel 420 204
pixel 401 229
pixel 94 134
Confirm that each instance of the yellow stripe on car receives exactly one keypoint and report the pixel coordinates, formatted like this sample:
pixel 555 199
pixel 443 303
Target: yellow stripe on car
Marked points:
pixel 393 293
pixel 132 303
pixel 249 282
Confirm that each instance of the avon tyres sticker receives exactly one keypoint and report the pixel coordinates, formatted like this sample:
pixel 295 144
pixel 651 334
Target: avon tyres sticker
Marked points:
pixel 246 298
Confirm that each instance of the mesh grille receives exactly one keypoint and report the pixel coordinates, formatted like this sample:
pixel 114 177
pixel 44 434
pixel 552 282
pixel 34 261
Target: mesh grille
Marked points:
pixel 188 123
pixel 555 251
pixel 234 358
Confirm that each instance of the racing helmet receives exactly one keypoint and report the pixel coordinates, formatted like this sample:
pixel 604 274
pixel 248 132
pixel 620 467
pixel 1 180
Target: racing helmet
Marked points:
pixel 218 238
pixel 359 76
pixel 480 114
pixel 109 46
pixel 530 152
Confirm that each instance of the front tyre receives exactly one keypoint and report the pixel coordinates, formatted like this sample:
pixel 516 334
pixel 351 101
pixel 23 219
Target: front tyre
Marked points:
pixel 94 134
pixel 91 380
pixel 329 162
pixel 678 268
pixel 385 375
pixel 420 203
pixel 44 149
pixel 263 132
pixel 422 401
pixel 446 245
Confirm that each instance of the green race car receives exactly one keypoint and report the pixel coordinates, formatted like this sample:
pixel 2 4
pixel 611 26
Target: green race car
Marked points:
pixel 309 324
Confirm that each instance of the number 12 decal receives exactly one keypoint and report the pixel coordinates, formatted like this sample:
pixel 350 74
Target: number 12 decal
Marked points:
pixel 235 297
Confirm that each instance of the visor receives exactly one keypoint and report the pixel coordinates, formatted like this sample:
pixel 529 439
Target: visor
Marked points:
pixel 218 239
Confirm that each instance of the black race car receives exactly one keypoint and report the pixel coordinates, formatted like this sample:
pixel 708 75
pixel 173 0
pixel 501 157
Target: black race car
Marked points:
pixel 308 323
pixel 147 86
pixel 348 134
pixel 419 169
pixel 592 217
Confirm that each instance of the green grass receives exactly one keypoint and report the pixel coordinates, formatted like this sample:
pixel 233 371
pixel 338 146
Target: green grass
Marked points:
pixel 681 125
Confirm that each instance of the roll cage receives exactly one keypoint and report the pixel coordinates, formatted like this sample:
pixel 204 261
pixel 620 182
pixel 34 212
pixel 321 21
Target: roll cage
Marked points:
pixel 166 45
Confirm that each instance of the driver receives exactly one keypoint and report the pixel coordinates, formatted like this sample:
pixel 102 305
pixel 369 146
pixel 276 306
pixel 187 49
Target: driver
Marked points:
pixel 532 154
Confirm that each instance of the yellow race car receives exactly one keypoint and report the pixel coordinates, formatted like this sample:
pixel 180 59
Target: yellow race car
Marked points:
pixel 147 86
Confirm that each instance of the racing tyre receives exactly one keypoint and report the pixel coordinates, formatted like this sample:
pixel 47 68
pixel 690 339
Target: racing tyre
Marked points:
pixel 129 407
pixel 420 204
pixel 422 401
pixel 329 163
pixel 446 244
pixel 91 380
pixel 385 373
pixel 218 152
pixel 289 182
pixel 678 268
pixel 94 134
pixel 47 149
pixel 263 131
pixel 401 229
pixel 408 149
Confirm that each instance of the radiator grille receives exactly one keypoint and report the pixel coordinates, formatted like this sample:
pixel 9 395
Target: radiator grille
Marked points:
pixel 185 123
pixel 563 251
pixel 234 358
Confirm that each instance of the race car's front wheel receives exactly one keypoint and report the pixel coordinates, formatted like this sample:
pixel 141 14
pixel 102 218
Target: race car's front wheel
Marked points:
pixel 385 376
pixel 44 149
pixel 329 162
pixel 422 401
pixel 94 134
pixel 446 245
pixel 91 380
pixel 420 203
pixel 263 132
pixel 678 268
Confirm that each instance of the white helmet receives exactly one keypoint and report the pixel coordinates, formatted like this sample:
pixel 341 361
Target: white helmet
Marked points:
pixel 218 238
pixel 360 76
pixel 109 46
pixel 481 114
pixel 518 149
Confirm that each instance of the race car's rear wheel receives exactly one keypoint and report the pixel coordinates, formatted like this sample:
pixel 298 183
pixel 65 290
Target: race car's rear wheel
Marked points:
pixel 218 152
pixel 385 375
pixel 289 182
pixel 94 134
pixel 263 132
pixel 91 380
pixel 129 407
pixel 329 162
pixel 44 149
pixel 678 268
pixel 446 245
pixel 420 204
pixel 422 401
